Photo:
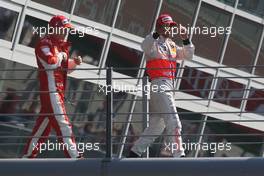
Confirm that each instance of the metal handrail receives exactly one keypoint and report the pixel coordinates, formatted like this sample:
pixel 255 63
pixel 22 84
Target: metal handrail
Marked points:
pixel 179 99
pixel 174 90
pixel 164 135
pixel 155 143
pixel 141 68
pixel 135 113
pixel 140 121
pixel 121 78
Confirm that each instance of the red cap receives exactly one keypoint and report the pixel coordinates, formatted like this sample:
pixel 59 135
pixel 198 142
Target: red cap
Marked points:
pixel 60 21
pixel 165 19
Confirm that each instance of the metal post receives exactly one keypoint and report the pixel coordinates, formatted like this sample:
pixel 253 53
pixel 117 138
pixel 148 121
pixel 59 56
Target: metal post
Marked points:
pixel 145 107
pixel 109 112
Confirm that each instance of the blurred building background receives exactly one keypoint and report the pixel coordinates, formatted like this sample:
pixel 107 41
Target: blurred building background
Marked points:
pixel 122 25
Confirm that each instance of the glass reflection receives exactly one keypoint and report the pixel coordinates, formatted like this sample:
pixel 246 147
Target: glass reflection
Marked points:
pixel 216 21
pixel 242 44
pixel 255 7
pixel 64 5
pixel 120 56
pixel 196 82
pixel 101 11
pixel 229 92
pixel 8 21
pixel 134 18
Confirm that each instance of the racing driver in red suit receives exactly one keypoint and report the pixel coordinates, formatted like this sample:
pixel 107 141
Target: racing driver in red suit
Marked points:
pixel 52 55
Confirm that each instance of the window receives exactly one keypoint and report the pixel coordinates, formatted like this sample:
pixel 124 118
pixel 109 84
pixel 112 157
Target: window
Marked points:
pixel 88 46
pixel 120 56
pixel 255 101
pixel 63 5
pixel 209 45
pixel 194 79
pixel 136 16
pixel 29 36
pixel 255 7
pixel 101 11
pixel 242 44
pixel 229 92
pixel 8 21
pixel 228 2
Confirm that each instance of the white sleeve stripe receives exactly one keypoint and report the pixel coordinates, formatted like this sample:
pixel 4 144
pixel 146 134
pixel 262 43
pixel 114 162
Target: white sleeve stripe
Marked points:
pixel 49 66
